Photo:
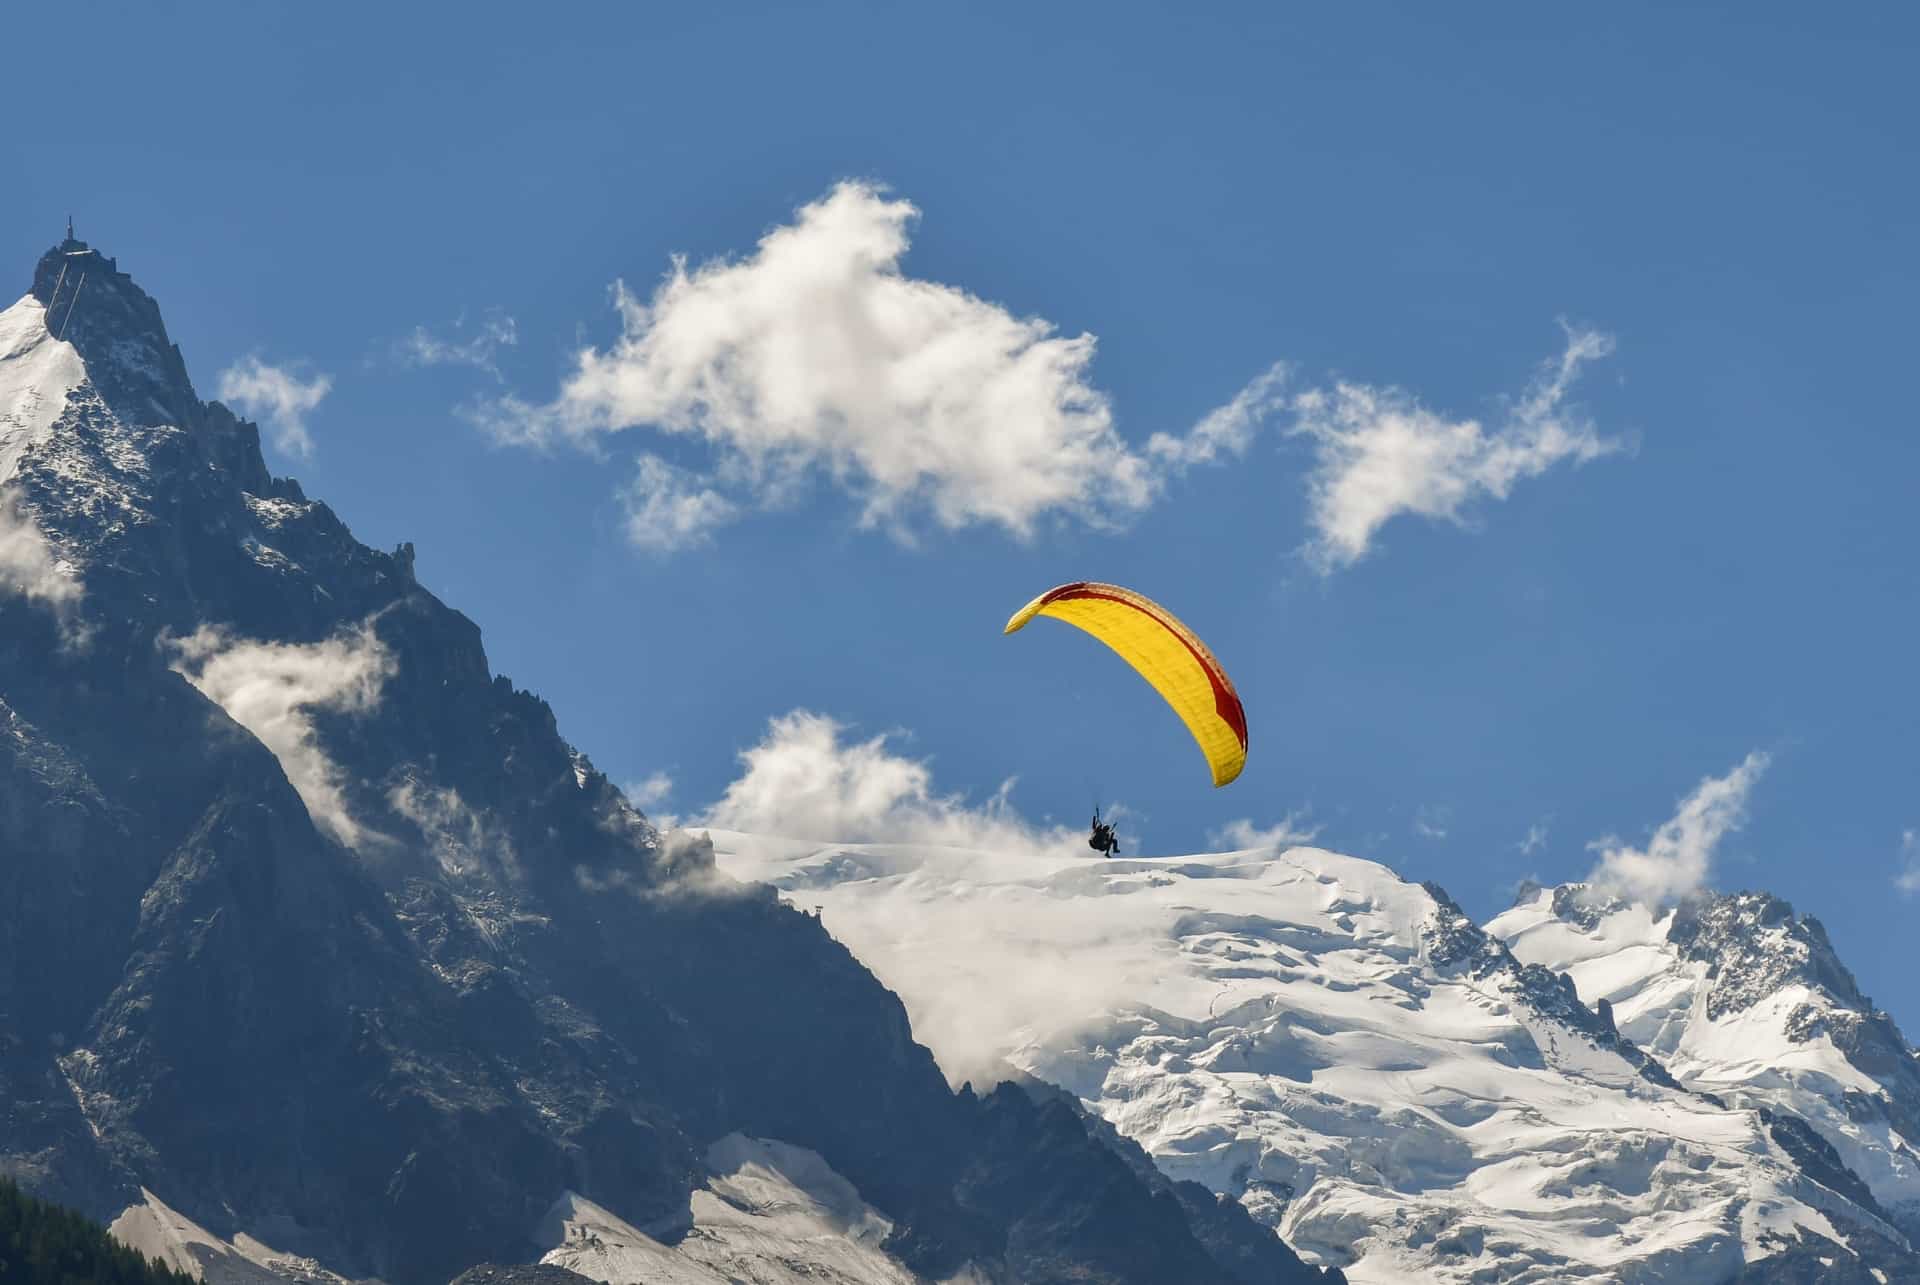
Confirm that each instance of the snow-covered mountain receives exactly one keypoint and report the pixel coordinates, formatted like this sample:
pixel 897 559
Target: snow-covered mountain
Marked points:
pixel 1377 1078
pixel 1740 997
pixel 316 935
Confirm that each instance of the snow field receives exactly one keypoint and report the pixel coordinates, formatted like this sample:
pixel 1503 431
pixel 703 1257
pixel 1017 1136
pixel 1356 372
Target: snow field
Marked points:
pixel 1271 1024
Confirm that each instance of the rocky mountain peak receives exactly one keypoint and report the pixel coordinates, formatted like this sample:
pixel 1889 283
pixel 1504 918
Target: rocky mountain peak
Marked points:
pixel 1751 947
pixel 1754 944
pixel 117 329
pixel 1454 939
pixel 1582 904
pixel 1746 1000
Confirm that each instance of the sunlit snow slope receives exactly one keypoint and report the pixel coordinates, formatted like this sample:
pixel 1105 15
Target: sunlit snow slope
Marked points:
pixel 1742 998
pixel 1339 1047
pixel 36 375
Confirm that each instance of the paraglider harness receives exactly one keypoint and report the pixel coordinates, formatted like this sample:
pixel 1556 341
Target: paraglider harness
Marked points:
pixel 1103 840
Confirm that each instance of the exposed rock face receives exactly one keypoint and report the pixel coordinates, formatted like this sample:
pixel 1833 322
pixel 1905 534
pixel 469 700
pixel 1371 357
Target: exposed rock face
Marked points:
pixel 309 922
pixel 518 1274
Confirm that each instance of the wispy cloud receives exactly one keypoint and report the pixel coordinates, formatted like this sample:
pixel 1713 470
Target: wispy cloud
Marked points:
pixel 1290 831
pixel 651 795
pixel 1677 860
pixel 651 792
pixel 1908 880
pixel 1430 822
pixel 476 347
pixel 803 781
pixel 273 689
pixel 1536 839
pixel 1379 453
pixel 818 355
pixel 669 508
pixel 1228 429
pixel 464 842
pixel 31 568
pixel 277 396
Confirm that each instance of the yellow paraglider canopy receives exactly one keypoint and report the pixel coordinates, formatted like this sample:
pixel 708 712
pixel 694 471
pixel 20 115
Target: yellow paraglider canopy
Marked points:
pixel 1165 653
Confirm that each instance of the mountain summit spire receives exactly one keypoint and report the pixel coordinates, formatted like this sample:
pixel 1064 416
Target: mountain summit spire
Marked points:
pixel 116 328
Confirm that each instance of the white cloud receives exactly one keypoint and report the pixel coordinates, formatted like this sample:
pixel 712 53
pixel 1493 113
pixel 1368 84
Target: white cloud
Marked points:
pixel 669 508
pixel 801 781
pixel 1908 880
pixel 1675 863
pixel 1536 839
pixel 276 395
pixel 651 792
pixel 977 975
pixel 1380 453
pixel 1289 832
pixel 987 955
pixel 817 355
pixel 650 796
pixel 477 349
pixel 30 568
pixel 1225 430
pixel 272 689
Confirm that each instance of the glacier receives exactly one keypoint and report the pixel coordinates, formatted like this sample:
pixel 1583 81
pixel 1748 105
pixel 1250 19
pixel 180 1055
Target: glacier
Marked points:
pixel 1377 1079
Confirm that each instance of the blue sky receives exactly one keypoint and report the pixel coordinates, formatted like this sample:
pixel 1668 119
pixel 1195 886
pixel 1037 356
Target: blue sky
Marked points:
pixel 1381 197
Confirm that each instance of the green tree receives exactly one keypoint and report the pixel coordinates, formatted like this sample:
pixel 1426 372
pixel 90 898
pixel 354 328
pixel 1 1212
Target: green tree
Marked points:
pixel 43 1244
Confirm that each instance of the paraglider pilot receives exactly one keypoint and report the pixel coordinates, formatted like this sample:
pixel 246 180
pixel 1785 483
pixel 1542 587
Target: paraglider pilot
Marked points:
pixel 1103 840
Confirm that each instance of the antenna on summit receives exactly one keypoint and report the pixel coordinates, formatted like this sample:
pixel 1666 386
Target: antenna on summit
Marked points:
pixel 69 227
